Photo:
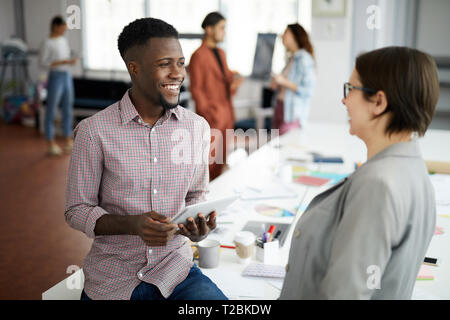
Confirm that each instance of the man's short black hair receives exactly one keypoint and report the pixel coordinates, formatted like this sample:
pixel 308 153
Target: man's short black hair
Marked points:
pixel 138 32
pixel 212 19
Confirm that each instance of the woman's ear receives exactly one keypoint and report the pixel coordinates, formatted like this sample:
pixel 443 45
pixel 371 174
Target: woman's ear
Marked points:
pixel 380 103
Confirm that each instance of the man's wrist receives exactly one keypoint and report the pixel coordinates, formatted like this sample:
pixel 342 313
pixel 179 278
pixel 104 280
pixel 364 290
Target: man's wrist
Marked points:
pixel 110 224
pixel 198 238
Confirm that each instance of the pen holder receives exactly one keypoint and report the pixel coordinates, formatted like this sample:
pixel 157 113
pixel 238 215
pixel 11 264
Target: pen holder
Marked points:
pixel 267 252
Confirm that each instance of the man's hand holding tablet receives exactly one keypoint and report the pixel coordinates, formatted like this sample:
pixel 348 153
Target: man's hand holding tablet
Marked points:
pixel 194 224
pixel 198 229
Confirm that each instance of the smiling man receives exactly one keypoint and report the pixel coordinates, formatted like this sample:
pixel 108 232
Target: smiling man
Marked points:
pixel 124 186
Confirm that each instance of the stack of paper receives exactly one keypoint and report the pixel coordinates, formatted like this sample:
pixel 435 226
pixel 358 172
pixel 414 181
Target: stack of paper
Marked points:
pixel 441 184
pixel 425 273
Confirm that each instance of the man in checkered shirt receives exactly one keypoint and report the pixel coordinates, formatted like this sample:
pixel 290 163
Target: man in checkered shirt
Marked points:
pixel 135 165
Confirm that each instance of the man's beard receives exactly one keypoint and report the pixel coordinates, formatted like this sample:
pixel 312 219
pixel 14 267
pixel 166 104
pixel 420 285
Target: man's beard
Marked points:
pixel 166 105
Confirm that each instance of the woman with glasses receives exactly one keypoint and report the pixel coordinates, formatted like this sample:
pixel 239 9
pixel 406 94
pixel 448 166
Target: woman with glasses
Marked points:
pixel 294 86
pixel 366 237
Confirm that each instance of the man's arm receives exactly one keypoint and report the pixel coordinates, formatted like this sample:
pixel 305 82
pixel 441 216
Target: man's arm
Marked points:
pixel 198 187
pixel 197 79
pixel 85 174
pixel 153 228
pixel 82 208
pixel 198 229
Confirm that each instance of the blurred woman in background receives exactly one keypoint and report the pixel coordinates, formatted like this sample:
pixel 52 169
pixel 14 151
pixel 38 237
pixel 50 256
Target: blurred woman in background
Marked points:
pixel 56 57
pixel 295 84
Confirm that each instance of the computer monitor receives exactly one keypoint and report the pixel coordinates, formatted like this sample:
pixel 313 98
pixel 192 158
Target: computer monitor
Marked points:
pixel 262 63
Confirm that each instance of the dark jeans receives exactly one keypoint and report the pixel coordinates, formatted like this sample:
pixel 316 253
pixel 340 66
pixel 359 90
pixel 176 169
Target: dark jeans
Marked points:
pixel 196 286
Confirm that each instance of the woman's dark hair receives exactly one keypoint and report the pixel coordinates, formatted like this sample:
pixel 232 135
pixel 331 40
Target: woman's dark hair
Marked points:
pixel 138 32
pixel 410 80
pixel 56 22
pixel 302 38
pixel 212 19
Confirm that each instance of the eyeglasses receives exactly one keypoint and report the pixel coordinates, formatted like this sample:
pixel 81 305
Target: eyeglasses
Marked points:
pixel 348 87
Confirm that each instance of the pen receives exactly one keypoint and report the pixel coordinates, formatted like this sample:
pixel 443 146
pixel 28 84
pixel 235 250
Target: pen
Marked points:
pixel 277 235
pixel 228 247
pixel 271 230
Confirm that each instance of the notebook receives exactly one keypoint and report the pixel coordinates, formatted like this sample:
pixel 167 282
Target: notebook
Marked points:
pixel 311 181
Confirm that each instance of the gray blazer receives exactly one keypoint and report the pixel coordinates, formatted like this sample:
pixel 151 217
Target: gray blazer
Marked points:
pixel 366 237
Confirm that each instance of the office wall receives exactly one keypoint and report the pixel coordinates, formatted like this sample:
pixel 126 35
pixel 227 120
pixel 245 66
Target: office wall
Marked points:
pixel 7 22
pixel 433 27
pixel 332 38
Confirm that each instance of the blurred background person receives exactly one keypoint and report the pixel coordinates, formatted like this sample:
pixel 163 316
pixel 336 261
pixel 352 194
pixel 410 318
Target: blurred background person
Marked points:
pixel 294 86
pixel 212 85
pixel 56 57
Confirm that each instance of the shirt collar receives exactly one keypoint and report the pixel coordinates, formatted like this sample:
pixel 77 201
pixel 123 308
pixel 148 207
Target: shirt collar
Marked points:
pixel 402 149
pixel 128 111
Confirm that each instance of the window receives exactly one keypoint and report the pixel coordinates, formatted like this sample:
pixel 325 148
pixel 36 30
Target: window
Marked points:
pixel 186 17
pixel 105 19
pixel 245 19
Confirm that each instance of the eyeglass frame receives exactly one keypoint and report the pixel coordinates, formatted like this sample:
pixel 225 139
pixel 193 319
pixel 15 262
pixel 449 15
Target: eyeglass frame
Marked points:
pixel 351 87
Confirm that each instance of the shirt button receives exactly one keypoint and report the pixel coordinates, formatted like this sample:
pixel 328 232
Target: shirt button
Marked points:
pixel 155 160
pixel 297 233
pixel 150 251
pixel 140 275
pixel 155 191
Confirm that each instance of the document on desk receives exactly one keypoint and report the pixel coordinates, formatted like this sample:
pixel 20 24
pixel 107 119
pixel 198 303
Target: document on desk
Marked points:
pixel 272 191
pixel 235 286
pixel 441 184
pixel 420 294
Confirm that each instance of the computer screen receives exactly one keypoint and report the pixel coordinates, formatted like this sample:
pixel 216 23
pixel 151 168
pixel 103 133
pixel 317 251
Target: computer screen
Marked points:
pixel 262 64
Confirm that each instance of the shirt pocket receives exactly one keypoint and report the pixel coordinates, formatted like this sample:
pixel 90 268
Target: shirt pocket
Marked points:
pixel 127 175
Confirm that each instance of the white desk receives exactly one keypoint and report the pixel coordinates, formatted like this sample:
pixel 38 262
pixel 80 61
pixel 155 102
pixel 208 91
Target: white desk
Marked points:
pixel 262 167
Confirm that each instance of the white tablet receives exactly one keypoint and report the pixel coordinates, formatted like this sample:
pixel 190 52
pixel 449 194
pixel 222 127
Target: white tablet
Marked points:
pixel 204 207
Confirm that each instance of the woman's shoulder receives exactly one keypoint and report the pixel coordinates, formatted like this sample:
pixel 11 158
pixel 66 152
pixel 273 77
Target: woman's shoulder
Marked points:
pixel 303 58
pixel 390 172
pixel 302 54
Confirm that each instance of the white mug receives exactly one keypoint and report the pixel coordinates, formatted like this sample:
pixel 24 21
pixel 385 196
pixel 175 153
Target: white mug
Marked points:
pixel 209 253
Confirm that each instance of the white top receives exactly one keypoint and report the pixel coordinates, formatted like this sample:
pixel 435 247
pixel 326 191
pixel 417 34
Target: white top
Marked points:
pixel 55 49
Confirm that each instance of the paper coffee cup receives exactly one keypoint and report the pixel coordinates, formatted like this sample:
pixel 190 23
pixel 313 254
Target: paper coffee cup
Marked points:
pixel 245 246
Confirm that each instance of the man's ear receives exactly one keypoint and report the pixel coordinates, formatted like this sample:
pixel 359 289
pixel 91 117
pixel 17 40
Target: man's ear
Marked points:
pixel 380 103
pixel 209 30
pixel 133 68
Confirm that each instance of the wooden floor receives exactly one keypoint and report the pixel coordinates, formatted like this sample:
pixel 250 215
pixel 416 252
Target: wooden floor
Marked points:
pixel 36 244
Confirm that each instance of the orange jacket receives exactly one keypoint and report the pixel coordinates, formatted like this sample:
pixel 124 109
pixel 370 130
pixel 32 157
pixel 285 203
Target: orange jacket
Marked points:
pixel 210 89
